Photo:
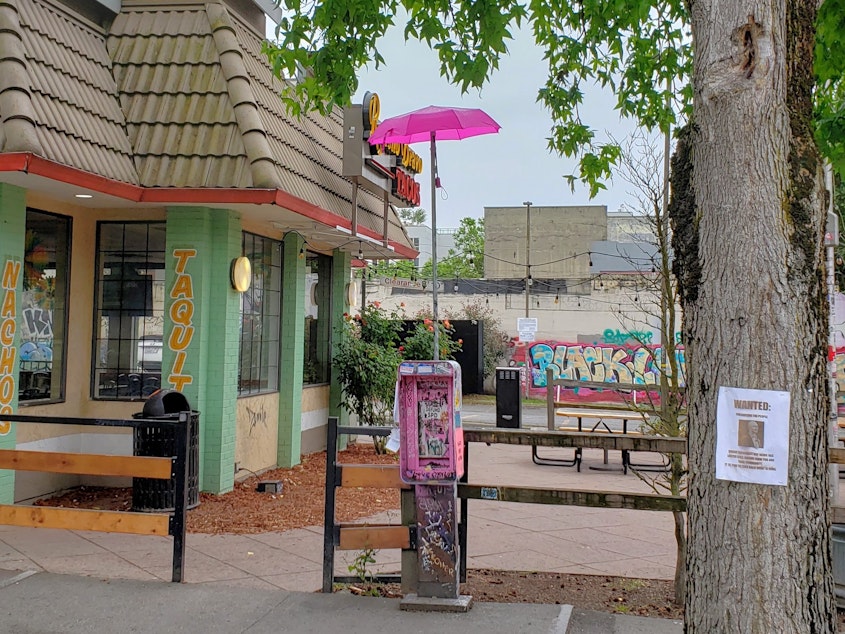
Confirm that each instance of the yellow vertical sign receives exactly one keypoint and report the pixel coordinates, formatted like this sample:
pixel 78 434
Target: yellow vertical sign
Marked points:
pixel 8 352
pixel 181 314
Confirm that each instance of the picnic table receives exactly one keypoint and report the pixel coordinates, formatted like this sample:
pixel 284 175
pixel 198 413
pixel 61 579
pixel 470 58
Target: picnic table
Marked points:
pixel 599 424
pixel 620 404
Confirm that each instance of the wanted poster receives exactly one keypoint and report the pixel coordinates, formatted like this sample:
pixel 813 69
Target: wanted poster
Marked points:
pixel 752 436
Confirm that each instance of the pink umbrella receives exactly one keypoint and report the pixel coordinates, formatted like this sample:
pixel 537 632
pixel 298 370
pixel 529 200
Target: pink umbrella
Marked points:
pixel 434 123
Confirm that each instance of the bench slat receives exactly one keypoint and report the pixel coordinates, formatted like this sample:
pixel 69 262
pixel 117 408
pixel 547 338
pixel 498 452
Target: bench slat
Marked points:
pixel 371 476
pixel 85 519
pixel 374 536
pixel 836 455
pixel 580 413
pixel 589 440
pixel 572 497
pixel 86 464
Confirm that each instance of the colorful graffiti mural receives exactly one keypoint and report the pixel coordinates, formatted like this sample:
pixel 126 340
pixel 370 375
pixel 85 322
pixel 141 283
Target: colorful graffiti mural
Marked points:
pixel 610 363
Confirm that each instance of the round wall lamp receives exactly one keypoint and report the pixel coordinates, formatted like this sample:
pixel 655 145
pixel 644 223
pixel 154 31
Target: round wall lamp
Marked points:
pixel 352 294
pixel 241 274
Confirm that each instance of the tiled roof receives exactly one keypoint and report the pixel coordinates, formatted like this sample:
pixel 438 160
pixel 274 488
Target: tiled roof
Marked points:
pixel 172 96
pixel 72 96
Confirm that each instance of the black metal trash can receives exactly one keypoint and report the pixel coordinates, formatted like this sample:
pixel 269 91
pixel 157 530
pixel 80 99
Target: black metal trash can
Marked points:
pixel 508 398
pixel 150 494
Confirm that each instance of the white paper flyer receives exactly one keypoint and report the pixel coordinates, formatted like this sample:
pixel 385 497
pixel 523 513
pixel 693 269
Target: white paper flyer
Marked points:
pixel 752 436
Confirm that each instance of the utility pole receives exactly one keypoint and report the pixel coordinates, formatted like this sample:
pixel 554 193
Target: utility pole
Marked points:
pixel 528 280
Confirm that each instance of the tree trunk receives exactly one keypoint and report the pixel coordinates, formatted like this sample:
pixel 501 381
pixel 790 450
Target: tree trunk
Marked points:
pixel 748 238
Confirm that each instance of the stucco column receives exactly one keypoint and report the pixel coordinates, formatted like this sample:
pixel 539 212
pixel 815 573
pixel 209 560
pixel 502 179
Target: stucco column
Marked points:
pixel 201 344
pixel 292 352
pixel 341 278
pixel 12 233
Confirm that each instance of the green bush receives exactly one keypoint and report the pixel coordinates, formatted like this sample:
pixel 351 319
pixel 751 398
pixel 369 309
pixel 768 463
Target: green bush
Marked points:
pixel 366 363
pixel 367 359
pixel 419 344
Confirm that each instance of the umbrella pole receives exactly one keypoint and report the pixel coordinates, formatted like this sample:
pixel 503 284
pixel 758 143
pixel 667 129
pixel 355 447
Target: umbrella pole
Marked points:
pixel 434 248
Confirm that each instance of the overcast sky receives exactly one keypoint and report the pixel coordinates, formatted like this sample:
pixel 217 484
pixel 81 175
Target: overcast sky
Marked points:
pixel 503 169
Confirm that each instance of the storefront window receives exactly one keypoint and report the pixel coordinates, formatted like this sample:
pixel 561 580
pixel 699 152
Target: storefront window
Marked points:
pixel 129 322
pixel 317 333
pixel 260 322
pixel 44 307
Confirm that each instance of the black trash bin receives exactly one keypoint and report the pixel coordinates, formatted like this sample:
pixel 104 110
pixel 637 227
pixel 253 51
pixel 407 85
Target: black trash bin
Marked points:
pixel 158 440
pixel 508 398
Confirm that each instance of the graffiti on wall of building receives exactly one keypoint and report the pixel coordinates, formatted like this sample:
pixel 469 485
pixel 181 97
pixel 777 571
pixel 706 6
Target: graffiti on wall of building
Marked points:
pixel 609 363
pixel 612 363
pixel 619 337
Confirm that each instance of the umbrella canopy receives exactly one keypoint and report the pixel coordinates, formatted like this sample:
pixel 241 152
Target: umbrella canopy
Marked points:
pixel 434 123
pixel 444 122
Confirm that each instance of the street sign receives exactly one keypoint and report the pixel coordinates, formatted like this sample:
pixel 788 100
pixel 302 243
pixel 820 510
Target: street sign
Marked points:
pixel 526 324
pixel 400 282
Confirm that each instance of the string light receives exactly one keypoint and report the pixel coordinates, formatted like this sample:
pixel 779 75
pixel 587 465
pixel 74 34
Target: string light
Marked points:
pixel 301 252
pixel 360 251
pixel 557 298
pixel 590 258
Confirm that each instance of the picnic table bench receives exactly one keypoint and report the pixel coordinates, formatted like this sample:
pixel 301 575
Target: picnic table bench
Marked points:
pixel 619 404
pixel 599 426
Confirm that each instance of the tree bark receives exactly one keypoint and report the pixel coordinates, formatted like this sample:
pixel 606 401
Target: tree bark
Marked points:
pixel 748 240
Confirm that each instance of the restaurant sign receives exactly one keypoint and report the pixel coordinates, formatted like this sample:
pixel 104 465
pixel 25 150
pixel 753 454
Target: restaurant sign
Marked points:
pixel 390 168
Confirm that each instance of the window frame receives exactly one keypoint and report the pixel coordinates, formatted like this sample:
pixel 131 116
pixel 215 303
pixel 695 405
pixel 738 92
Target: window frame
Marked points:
pixel 273 369
pixel 323 325
pixel 98 310
pixel 62 370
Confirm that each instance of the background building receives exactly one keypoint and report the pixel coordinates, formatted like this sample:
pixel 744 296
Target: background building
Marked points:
pixel 420 236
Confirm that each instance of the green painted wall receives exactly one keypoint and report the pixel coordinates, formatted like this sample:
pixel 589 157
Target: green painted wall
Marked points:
pixel 202 317
pixel 12 234
pixel 292 351
pixel 341 277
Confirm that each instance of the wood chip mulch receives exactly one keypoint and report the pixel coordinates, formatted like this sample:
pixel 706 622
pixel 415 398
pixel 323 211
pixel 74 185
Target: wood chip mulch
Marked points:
pixel 246 511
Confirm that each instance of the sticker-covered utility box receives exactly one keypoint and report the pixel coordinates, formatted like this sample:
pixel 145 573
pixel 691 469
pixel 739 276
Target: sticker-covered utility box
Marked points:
pixel 431 439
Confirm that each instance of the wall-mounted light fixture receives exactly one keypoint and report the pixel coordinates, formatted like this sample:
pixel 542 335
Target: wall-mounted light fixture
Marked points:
pixel 352 294
pixel 241 274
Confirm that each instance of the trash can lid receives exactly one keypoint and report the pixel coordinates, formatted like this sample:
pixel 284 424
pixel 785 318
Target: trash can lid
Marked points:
pixel 163 402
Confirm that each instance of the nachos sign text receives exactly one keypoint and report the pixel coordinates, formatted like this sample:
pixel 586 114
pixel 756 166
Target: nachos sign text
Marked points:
pixel 8 352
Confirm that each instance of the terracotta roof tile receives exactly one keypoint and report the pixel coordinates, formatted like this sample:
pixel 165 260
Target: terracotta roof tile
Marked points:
pixel 171 97
pixel 73 94
pixel 176 100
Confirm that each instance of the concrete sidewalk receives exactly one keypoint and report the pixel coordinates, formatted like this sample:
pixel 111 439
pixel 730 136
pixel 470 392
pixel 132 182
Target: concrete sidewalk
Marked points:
pixel 44 602
pixel 249 571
